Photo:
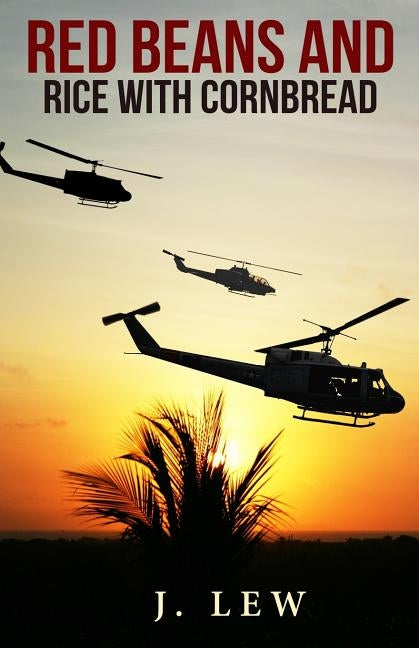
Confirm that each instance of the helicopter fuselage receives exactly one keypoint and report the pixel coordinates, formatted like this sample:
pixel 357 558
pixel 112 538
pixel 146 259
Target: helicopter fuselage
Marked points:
pixel 322 386
pixel 240 280
pixel 88 185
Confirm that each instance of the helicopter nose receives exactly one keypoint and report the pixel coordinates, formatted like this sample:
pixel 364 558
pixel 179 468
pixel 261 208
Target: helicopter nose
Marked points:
pixel 397 403
pixel 127 196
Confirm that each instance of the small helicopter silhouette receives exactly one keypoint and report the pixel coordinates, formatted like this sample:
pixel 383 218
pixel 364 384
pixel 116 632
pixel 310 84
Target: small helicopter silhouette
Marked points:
pixel 314 381
pixel 92 190
pixel 237 279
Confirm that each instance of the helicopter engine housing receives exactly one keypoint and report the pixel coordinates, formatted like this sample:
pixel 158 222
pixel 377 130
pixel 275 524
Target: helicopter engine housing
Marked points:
pixel 280 355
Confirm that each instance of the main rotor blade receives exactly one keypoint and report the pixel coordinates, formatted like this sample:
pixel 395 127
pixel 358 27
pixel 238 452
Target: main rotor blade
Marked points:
pixel 148 175
pixel 372 313
pixel 327 335
pixel 214 256
pixel 86 161
pixel 295 343
pixel 60 152
pixel 270 268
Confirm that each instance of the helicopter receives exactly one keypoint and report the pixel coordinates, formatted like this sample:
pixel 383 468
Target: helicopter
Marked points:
pixel 314 381
pixel 237 279
pixel 93 190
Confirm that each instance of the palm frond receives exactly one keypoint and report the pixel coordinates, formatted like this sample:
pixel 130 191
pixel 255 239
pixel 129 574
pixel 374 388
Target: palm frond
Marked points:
pixel 244 487
pixel 116 491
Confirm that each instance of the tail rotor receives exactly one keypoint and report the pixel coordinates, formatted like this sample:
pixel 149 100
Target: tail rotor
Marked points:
pixel 175 256
pixel 118 317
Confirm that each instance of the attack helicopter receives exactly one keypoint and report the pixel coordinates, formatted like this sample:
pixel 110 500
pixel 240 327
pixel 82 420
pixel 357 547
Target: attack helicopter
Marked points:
pixel 237 279
pixel 314 381
pixel 93 190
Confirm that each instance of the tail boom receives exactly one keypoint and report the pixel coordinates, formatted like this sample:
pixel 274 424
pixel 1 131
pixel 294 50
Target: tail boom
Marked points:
pixel 245 373
pixel 241 372
pixel 50 181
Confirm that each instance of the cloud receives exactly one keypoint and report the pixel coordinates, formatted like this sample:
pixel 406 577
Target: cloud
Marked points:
pixel 46 422
pixel 15 370
pixel 56 423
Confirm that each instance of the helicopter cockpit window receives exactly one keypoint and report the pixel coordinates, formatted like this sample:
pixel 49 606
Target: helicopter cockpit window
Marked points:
pixel 259 280
pixel 376 386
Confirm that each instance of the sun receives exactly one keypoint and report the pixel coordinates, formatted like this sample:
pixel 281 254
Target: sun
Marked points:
pixel 217 459
pixel 230 457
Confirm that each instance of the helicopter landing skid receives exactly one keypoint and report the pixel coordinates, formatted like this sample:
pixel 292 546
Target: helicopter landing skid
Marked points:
pixel 243 294
pixel 103 204
pixel 355 417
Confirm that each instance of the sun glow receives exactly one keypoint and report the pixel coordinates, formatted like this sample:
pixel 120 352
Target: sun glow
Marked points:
pixel 217 459
pixel 229 456
pixel 233 455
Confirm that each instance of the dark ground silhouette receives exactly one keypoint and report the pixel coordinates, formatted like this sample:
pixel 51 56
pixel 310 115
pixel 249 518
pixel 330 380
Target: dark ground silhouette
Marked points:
pixel 99 593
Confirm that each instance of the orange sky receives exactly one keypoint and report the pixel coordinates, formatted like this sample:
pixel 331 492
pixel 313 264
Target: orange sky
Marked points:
pixel 334 197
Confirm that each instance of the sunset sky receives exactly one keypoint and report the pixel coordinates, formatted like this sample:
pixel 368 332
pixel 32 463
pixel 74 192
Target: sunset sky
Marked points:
pixel 334 197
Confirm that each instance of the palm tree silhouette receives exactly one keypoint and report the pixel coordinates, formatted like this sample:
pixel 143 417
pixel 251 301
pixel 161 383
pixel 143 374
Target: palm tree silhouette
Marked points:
pixel 195 522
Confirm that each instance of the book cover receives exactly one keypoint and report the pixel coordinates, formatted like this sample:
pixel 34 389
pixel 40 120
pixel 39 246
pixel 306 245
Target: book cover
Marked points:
pixel 209 356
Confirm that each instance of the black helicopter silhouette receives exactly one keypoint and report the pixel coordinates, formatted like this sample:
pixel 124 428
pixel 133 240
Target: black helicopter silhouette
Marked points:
pixel 314 381
pixel 237 279
pixel 93 190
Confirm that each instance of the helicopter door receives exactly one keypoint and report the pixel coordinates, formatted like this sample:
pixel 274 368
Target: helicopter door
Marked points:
pixel 286 380
pixel 338 381
pixel 297 379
